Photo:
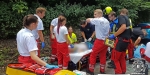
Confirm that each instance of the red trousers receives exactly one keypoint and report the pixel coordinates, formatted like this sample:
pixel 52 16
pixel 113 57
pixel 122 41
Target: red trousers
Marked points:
pixel 118 57
pixel 130 49
pixel 147 58
pixel 54 49
pixel 39 46
pixel 63 55
pixel 25 59
pixel 101 49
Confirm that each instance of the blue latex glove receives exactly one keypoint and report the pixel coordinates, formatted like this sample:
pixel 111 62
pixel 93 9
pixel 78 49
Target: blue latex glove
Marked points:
pixel 71 45
pixel 42 44
pixel 111 37
pixel 51 66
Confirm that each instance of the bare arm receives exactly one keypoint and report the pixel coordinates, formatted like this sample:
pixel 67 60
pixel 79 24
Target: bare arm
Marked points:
pixel 89 19
pixel 36 58
pixel 93 34
pixel 120 30
pixel 41 35
pixel 137 41
pixel 83 34
pixel 51 29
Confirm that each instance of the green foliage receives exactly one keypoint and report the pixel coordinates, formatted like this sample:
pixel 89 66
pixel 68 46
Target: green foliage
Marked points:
pixel 134 6
pixel 12 13
pixel 20 6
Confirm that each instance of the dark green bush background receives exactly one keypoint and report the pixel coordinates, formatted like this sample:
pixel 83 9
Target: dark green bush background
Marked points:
pixel 13 11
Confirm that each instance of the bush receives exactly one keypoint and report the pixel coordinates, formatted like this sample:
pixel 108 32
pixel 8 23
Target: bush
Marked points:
pixel 11 15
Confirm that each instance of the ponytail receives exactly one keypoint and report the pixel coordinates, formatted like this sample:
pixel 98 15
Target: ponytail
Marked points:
pixel 60 20
pixel 28 19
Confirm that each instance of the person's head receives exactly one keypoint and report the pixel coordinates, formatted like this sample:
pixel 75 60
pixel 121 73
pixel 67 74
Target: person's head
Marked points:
pixel 107 10
pixel 61 22
pixel 124 11
pixel 30 22
pixel 40 11
pixel 83 23
pixel 112 16
pixel 144 31
pixel 61 15
pixel 98 13
pixel 70 30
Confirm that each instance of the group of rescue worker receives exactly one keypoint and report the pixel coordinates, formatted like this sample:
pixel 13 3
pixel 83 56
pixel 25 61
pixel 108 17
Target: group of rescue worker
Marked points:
pixel 105 24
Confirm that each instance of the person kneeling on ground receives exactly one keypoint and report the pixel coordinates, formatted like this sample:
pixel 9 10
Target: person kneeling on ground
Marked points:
pixel 27 45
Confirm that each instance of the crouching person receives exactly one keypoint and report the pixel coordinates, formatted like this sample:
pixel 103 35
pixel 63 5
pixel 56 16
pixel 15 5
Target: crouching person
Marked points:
pixel 61 34
pixel 27 45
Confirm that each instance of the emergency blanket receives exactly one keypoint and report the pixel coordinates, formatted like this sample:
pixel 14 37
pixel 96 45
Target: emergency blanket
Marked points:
pixel 75 57
pixel 35 68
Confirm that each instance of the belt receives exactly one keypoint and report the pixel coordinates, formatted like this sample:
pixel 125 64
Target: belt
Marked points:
pixel 25 56
pixel 124 39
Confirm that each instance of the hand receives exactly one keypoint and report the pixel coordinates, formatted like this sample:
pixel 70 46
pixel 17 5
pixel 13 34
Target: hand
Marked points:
pixel 51 66
pixel 89 39
pixel 71 46
pixel 85 40
pixel 42 44
pixel 52 36
pixel 111 37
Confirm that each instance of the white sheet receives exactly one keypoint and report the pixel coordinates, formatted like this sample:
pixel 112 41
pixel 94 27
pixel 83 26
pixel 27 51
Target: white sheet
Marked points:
pixel 75 57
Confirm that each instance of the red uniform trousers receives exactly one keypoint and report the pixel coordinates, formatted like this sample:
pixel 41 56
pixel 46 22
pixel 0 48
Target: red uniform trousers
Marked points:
pixel 53 45
pixel 63 55
pixel 39 46
pixel 25 59
pixel 147 58
pixel 118 57
pixel 101 49
pixel 130 49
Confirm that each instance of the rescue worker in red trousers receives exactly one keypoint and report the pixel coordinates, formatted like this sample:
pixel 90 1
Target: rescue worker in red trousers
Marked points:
pixel 102 28
pixel 122 36
pixel 53 40
pixel 61 34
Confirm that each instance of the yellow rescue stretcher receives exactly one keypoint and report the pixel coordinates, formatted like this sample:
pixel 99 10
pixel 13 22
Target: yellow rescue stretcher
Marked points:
pixel 12 71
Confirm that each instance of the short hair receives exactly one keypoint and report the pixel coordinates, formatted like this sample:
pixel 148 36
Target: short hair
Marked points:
pixel 113 14
pixel 40 10
pixel 99 11
pixel 124 11
pixel 82 22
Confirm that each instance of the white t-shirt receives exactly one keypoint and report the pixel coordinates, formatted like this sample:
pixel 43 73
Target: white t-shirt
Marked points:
pixel 101 27
pixel 39 27
pixel 26 42
pixel 147 51
pixel 54 22
pixel 62 32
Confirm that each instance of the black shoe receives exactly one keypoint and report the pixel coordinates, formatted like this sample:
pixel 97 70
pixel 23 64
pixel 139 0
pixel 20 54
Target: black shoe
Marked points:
pixel 110 66
pixel 131 61
pixel 102 72
pixel 109 63
pixel 88 71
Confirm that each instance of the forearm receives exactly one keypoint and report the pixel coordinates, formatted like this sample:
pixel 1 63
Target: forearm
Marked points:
pixel 137 42
pixel 41 35
pixel 83 35
pixel 89 19
pixel 93 34
pixel 37 59
pixel 51 29
pixel 120 30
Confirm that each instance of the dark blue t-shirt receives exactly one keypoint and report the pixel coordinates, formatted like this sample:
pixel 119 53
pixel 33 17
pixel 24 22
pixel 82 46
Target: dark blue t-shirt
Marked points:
pixel 88 30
